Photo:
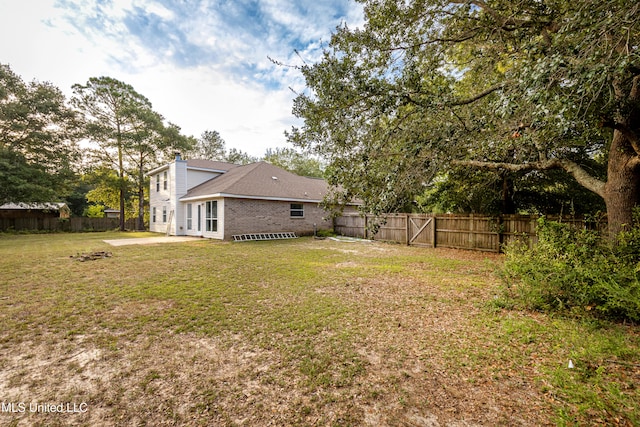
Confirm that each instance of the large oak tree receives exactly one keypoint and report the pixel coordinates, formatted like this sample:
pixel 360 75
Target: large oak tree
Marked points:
pixel 520 86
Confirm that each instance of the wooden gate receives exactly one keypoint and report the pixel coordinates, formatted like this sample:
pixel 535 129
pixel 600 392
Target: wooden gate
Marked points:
pixel 420 230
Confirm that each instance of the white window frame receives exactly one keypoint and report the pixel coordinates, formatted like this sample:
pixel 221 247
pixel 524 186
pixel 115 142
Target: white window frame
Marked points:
pixel 211 216
pixel 189 216
pixel 164 214
pixel 296 210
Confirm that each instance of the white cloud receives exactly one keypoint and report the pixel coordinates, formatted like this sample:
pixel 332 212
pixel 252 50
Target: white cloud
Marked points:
pixel 202 99
pixel 204 66
pixel 159 10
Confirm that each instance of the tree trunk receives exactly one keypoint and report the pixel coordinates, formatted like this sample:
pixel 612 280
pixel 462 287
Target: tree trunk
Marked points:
pixel 122 212
pixel 508 206
pixel 122 183
pixel 140 222
pixel 622 190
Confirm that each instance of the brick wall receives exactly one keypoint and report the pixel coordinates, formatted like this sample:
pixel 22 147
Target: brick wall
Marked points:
pixel 243 216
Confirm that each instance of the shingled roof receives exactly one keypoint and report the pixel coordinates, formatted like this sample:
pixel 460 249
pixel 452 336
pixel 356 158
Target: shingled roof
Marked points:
pixel 261 181
pixel 210 164
pixel 51 206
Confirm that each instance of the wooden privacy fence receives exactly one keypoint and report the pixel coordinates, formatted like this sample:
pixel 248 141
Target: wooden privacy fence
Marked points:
pixel 75 224
pixel 475 232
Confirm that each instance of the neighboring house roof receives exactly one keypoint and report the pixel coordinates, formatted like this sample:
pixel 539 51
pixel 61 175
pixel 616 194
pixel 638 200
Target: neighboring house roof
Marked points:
pixel 34 206
pixel 261 181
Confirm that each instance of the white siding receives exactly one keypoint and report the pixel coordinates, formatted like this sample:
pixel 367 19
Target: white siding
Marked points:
pixel 177 189
pixel 158 199
pixel 197 177
pixel 169 198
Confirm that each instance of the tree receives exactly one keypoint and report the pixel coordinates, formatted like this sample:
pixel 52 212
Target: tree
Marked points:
pixel 107 106
pixel 105 192
pixel 239 157
pixel 469 190
pixel 294 161
pixel 210 146
pixel 154 142
pixel 38 134
pixel 130 136
pixel 518 86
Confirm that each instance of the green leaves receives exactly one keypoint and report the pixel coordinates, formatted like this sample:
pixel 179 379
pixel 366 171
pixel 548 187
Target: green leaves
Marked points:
pixel 571 270
pixel 38 135
pixel 425 82
pixel 130 136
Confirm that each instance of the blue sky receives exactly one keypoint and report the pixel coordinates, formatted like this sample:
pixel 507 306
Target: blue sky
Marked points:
pixel 202 63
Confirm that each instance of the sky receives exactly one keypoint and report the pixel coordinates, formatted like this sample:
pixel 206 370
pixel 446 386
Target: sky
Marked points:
pixel 203 64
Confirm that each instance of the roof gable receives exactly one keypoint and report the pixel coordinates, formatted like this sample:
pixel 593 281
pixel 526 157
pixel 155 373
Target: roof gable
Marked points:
pixel 261 180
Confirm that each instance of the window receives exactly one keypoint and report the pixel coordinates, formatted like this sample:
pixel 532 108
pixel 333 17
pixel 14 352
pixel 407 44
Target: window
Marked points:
pixel 211 216
pixel 199 217
pixel 164 177
pixel 153 215
pixel 189 216
pixel 297 210
pixel 158 182
pixel 164 214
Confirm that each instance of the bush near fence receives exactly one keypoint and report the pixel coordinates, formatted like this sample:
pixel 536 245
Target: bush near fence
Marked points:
pixel 475 232
pixel 76 224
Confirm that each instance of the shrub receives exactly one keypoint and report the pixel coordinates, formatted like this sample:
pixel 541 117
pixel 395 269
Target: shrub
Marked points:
pixel 325 233
pixel 576 271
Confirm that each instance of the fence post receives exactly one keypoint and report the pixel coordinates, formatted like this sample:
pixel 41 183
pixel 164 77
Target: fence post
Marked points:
pixel 500 234
pixel 435 234
pixel 472 232
pixel 364 233
pixel 406 228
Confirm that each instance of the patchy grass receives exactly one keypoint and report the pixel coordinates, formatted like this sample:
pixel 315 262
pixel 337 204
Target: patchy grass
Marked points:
pixel 302 332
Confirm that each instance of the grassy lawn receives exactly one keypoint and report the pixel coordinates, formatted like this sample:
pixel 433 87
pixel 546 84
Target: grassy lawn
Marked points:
pixel 300 332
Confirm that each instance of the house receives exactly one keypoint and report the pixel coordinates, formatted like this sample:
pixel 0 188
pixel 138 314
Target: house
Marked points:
pixel 218 200
pixel 34 210
pixel 111 213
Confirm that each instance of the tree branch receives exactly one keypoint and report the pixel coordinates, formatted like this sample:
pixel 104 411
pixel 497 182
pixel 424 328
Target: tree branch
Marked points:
pixel 457 103
pixel 478 96
pixel 626 131
pixel 631 136
pixel 461 38
pixel 504 23
pixel 635 86
pixel 580 175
